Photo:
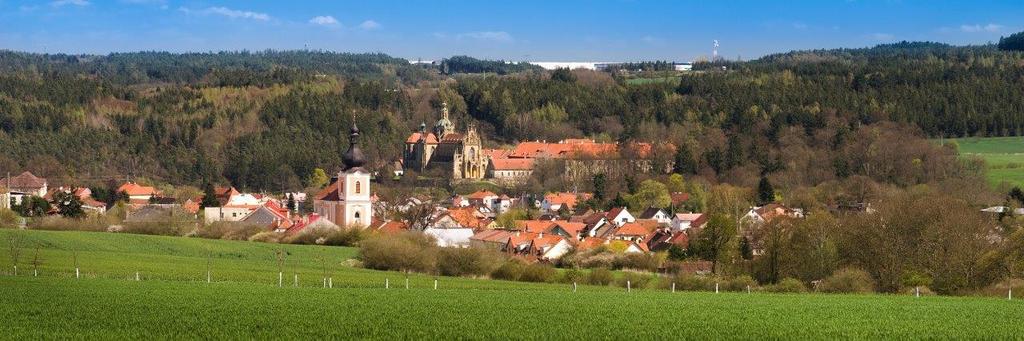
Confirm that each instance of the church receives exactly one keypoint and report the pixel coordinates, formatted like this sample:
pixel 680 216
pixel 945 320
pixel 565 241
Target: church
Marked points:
pixel 346 201
pixel 443 148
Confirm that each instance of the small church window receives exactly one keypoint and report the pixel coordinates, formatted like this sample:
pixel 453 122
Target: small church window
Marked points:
pixel 357 215
pixel 358 187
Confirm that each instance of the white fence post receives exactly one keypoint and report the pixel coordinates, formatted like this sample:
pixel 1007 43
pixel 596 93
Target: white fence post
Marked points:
pixel 748 289
pixel 1009 294
pixel 917 292
pixel 296 283
pixel 573 286
pixel 716 287
pixel 673 286
pixel 330 282
pixel 435 284
pixel 280 279
pixel 628 286
pixel 387 283
pixel 136 276
pixel 407 283
pixel 77 274
pixel 15 270
pixel 325 282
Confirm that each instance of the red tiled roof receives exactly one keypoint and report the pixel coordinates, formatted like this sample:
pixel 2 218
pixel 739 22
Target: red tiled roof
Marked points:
pixel 24 180
pixel 493 236
pixel 565 198
pixel 415 138
pixel 633 229
pixel 329 193
pixel 678 198
pixel 590 243
pixel 614 212
pixel 451 138
pixel 512 164
pixel 534 226
pixel 480 195
pixel 572 228
pixel 132 188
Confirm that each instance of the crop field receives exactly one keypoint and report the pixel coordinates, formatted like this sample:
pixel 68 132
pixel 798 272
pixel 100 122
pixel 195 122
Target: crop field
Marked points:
pixel 173 301
pixel 1004 157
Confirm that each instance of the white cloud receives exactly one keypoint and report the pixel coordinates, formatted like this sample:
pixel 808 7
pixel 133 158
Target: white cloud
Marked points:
pixel 227 12
pixel 883 36
pixel 369 25
pixel 60 3
pixel 324 20
pixel 991 28
pixel 495 36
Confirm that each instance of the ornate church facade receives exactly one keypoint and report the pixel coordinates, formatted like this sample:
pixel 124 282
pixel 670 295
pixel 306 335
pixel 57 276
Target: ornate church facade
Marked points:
pixel 346 201
pixel 461 154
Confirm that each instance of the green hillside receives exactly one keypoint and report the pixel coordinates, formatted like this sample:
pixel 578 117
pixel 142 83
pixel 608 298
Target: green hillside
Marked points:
pixel 244 302
pixel 1004 156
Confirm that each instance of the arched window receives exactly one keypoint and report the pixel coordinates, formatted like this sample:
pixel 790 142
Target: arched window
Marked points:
pixel 357 215
pixel 358 187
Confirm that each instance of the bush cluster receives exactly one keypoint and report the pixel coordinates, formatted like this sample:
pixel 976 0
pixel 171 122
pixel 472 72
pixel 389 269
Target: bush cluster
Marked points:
pixel 848 280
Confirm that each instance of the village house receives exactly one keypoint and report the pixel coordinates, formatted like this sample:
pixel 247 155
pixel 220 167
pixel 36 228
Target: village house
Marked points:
pixel 657 214
pixel 22 185
pixel 635 231
pixel 619 216
pixel 686 221
pixel 553 202
pixel 138 195
pixel 84 195
pixel 763 214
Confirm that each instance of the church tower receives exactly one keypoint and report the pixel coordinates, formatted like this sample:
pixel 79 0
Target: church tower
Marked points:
pixel 444 126
pixel 354 186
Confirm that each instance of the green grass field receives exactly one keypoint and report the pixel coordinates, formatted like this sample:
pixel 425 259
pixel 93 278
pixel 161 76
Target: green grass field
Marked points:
pixel 1004 157
pixel 174 302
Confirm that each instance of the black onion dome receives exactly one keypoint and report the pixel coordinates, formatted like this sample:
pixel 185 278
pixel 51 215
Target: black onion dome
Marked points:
pixel 353 157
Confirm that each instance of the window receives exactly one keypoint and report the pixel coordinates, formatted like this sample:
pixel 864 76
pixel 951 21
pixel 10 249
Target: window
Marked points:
pixel 358 185
pixel 357 215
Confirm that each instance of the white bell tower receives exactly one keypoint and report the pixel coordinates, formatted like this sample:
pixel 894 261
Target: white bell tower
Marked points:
pixel 354 186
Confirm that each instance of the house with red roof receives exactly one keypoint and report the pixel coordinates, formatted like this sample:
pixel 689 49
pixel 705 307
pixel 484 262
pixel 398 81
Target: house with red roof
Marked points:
pixel 555 201
pixel 619 216
pixel 24 184
pixel 138 194
pixel 686 221
pixel 635 231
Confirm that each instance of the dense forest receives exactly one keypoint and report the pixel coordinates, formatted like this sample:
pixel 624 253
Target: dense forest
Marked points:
pixel 266 120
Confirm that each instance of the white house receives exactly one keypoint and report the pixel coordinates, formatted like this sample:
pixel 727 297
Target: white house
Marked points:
pixel 450 237
pixel 685 221
pixel 620 216
pixel 657 214
pixel 550 246
pixel 23 185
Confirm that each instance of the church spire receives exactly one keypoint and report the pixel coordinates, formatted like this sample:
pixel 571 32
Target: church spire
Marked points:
pixel 353 158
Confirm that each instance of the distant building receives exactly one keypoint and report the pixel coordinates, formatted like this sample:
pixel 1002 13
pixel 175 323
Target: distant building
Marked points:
pixel 443 148
pixel 682 66
pixel 24 184
pixel 346 202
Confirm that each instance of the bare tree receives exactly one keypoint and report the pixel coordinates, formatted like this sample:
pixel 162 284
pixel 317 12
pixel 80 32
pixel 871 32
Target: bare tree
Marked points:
pixel 14 241
pixel 36 261
pixel 418 216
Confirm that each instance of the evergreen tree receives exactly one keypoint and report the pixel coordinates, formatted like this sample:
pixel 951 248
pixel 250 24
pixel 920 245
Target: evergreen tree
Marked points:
pixel 599 187
pixel 765 192
pixel 291 202
pixel 746 251
pixel 68 204
pixel 684 161
pixel 209 197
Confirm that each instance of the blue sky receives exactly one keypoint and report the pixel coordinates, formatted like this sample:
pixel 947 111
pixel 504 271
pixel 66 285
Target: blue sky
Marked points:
pixel 552 30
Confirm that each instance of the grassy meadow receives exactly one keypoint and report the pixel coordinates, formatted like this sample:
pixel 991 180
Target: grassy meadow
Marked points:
pixel 1004 156
pixel 243 302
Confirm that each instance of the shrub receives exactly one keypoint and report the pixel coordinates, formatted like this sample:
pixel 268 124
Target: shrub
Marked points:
pixel 158 229
pixel 640 261
pixel 266 237
pixel 573 276
pixel 58 223
pixel 405 252
pixel 466 261
pixel 635 280
pixel 788 285
pixel 693 283
pixel 538 272
pixel 738 283
pixel 229 230
pixel 600 276
pixel 328 236
pixel 511 270
pixel 848 280
pixel 8 219
pixel 1001 289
